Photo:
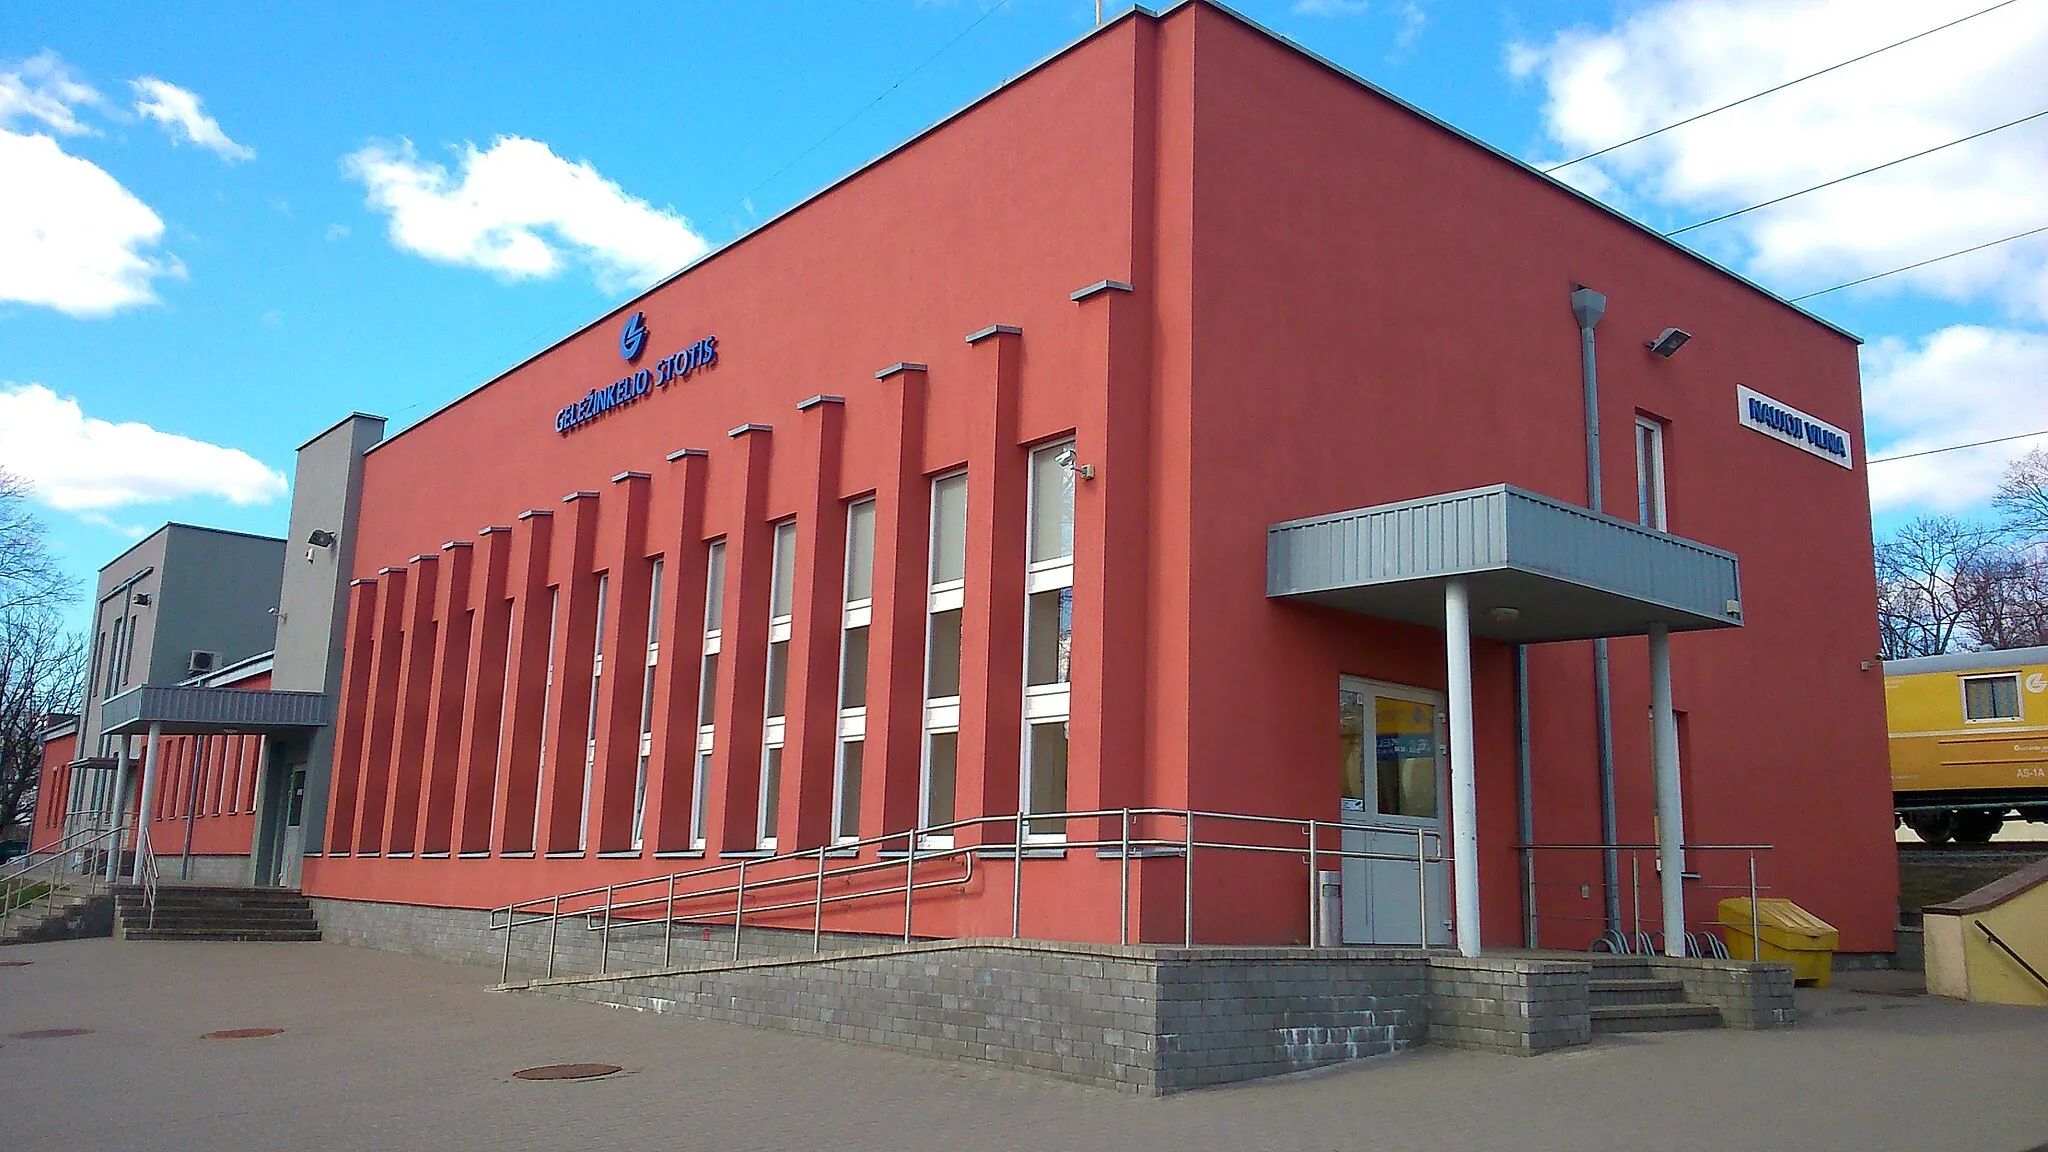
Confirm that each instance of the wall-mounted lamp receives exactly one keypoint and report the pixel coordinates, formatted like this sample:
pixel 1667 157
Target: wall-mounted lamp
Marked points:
pixel 320 538
pixel 1066 460
pixel 142 599
pixel 1668 341
pixel 1504 614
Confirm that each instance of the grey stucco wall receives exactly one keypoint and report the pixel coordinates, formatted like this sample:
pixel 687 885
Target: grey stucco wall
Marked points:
pixel 312 602
pixel 148 553
pixel 218 590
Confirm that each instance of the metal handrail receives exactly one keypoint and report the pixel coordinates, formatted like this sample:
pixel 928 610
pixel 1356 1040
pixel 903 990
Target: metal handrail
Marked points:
pixel 1638 941
pixel 598 917
pixel 72 842
pixel 145 855
pixel 55 861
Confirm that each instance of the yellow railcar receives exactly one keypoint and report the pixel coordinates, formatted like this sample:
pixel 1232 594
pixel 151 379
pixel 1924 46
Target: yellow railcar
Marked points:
pixel 1969 741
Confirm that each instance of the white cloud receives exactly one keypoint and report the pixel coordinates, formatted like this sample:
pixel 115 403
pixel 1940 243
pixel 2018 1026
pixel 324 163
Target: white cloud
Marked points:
pixel 42 88
pixel 1962 384
pixel 1330 7
pixel 1676 58
pixel 71 237
pixel 86 465
pixel 521 211
pixel 336 232
pixel 178 111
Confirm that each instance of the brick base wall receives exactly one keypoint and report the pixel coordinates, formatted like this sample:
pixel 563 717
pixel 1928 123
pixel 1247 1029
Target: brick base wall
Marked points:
pixel 220 871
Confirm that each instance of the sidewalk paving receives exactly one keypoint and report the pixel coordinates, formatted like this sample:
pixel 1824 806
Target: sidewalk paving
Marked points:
pixel 382 1051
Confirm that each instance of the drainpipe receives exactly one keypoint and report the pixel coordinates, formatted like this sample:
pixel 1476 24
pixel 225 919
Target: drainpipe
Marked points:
pixel 1525 812
pixel 1588 307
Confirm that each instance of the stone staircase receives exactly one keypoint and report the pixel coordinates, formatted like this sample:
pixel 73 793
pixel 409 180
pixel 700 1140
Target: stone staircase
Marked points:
pixel 208 913
pixel 65 915
pixel 1627 996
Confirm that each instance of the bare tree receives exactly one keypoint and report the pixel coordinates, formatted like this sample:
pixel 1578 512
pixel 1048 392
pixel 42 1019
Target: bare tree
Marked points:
pixel 1930 576
pixel 42 671
pixel 2007 599
pixel 2023 497
pixel 30 577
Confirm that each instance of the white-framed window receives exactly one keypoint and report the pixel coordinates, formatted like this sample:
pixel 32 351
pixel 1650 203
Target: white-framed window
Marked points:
pixel 945 602
pixel 540 771
pixel 1650 472
pixel 647 704
pixel 1048 641
pixel 781 616
pixel 707 690
pixel 856 614
pixel 1991 697
pixel 590 722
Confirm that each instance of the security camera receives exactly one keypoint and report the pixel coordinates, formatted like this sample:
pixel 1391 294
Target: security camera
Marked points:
pixel 1066 460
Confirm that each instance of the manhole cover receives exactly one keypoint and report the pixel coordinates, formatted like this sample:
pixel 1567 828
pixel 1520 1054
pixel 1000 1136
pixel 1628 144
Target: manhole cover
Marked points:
pixel 241 1033
pixel 15 963
pixel 52 1033
pixel 566 1072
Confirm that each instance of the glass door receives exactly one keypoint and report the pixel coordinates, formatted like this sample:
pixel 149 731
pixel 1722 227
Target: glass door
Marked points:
pixel 1395 799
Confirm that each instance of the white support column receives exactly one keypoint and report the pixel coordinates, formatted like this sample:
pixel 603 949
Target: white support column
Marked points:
pixel 1670 809
pixel 120 809
pixel 1464 788
pixel 147 802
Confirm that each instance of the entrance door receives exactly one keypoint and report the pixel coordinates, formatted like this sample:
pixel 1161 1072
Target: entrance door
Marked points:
pixel 1395 800
pixel 289 839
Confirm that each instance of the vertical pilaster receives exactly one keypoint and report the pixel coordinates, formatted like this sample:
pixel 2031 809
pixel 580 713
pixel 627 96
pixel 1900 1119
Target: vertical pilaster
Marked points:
pixel 1111 557
pixel 622 548
pixel 519 784
pixel 896 632
pixel 992 628
pixel 381 722
pixel 734 792
pixel 477 760
pixel 442 758
pixel 414 696
pixel 672 757
pixel 819 589
pixel 561 796
pixel 347 769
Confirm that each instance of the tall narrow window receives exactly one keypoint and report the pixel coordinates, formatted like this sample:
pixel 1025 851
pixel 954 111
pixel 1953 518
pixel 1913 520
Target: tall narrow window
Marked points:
pixel 1650 473
pixel 1048 640
pixel 944 601
pixel 781 613
pixel 855 614
pixel 647 704
pixel 590 722
pixel 540 771
pixel 707 690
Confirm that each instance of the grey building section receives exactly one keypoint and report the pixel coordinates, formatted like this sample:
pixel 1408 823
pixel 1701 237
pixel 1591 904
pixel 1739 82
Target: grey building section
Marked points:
pixel 312 602
pixel 1994 660
pixel 183 589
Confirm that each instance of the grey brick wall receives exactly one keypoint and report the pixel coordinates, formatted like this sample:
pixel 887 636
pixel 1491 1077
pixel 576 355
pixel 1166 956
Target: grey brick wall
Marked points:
pixel 1518 1006
pixel 217 871
pixel 1749 994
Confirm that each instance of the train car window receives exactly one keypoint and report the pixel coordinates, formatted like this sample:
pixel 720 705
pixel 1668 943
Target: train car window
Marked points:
pixel 1991 698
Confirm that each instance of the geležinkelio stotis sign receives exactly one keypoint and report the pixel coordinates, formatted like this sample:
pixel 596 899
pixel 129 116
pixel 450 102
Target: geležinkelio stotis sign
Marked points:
pixel 628 389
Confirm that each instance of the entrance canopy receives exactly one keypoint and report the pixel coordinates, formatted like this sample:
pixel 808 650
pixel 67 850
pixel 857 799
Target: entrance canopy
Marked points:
pixel 192 711
pixel 1536 569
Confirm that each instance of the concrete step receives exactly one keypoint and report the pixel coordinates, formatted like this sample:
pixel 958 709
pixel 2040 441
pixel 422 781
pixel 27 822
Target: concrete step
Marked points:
pixel 1610 993
pixel 224 933
pixel 1654 1018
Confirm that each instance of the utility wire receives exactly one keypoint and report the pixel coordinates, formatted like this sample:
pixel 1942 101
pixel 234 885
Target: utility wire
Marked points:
pixel 1768 91
pixel 1924 263
pixel 1854 175
pixel 1954 447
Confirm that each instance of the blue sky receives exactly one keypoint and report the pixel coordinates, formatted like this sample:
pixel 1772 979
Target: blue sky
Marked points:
pixel 228 225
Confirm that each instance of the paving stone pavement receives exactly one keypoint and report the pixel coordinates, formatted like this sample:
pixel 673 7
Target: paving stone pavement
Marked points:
pixel 382 1051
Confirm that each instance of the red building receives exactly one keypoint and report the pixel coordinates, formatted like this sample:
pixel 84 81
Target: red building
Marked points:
pixel 977 483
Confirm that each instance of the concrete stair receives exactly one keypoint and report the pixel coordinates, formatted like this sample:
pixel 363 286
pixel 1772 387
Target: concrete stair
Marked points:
pixel 206 913
pixel 1627 997
pixel 64 915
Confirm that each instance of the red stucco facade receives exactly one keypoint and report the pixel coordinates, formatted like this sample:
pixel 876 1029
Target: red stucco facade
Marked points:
pixel 1334 302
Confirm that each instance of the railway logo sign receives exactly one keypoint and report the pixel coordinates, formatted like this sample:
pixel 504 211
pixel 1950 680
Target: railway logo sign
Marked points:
pixel 678 365
pixel 2037 682
pixel 1788 424
pixel 633 337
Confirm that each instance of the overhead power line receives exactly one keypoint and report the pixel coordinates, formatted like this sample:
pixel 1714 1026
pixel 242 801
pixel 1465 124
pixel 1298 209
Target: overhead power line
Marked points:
pixel 1854 175
pixel 1954 447
pixel 1924 263
pixel 1778 88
